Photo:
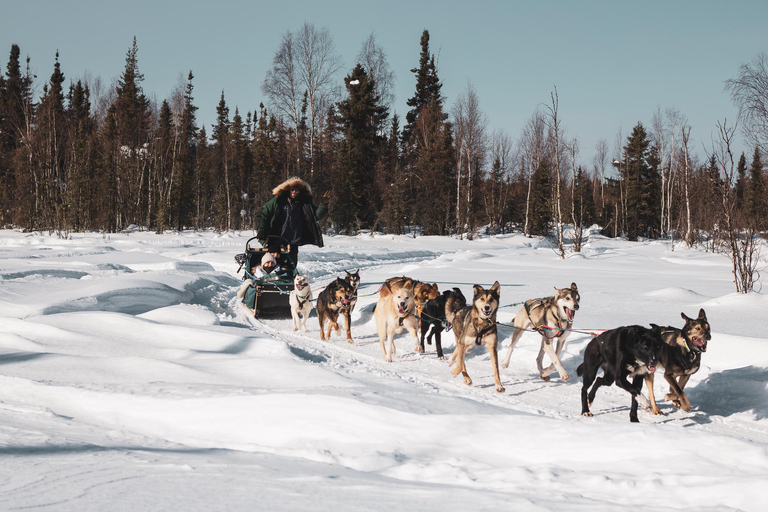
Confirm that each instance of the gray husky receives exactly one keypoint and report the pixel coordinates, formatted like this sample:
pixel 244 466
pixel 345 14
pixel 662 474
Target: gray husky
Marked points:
pixel 557 312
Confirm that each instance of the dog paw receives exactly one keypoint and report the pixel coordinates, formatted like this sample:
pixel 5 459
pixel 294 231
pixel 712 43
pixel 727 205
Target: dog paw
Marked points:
pixel 505 365
pixel 389 359
pixel 587 414
pixel 545 378
pixel 500 389
pixel 467 381
pixel 676 403
pixel 686 407
pixel 442 358
pixel 350 341
pixel 565 377
pixel 658 412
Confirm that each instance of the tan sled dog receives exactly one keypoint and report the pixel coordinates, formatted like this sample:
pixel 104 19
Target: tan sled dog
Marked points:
pixel 475 325
pixel 556 311
pixel 394 313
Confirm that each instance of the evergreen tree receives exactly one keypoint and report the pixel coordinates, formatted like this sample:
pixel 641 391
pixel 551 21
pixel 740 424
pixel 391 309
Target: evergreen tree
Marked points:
pixel 164 153
pixel 755 193
pixel 428 86
pixel 265 158
pixel 79 192
pixel 129 119
pixel 183 183
pixel 221 170
pixel 541 199
pixel 50 142
pixel 741 182
pixel 360 118
pixel 392 184
pixel 642 185
pixel 428 155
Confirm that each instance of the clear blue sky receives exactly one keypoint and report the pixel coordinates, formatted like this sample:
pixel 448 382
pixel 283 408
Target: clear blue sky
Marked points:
pixel 613 62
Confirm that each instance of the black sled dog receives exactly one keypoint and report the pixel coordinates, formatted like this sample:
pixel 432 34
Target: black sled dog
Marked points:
pixel 681 358
pixel 631 351
pixel 435 314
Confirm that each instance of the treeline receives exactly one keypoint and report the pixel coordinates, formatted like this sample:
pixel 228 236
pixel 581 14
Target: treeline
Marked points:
pixel 85 157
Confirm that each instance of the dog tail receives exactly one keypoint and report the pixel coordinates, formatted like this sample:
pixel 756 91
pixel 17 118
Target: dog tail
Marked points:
pixel 580 370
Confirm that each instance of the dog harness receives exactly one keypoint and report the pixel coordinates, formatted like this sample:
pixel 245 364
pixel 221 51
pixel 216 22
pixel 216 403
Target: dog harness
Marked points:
pixel 483 332
pixel 541 330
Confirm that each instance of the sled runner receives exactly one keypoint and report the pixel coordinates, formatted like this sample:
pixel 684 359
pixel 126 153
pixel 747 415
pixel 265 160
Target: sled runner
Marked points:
pixel 268 297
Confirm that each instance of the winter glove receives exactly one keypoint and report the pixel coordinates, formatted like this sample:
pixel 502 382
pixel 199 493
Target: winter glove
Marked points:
pixel 327 197
pixel 261 234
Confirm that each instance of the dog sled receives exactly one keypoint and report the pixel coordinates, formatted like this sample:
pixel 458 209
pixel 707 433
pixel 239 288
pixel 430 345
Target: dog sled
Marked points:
pixel 268 296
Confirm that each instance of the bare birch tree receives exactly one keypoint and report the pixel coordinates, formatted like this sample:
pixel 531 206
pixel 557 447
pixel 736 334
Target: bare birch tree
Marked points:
pixel 318 67
pixel 374 60
pixel 554 128
pixel 685 136
pixel 498 189
pixel 743 241
pixel 532 146
pixel 281 86
pixel 470 131
pixel 749 92
pixel 599 161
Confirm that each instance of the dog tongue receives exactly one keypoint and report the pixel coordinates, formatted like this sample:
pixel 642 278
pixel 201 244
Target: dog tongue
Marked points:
pixel 570 313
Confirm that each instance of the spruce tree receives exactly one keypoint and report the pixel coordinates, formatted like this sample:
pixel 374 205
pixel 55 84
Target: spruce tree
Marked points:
pixel 182 192
pixel 642 185
pixel 360 118
pixel 755 193
pixel 221 171
pixel 428 86
pixel 741 182
pixel 541 199
pixel 428 155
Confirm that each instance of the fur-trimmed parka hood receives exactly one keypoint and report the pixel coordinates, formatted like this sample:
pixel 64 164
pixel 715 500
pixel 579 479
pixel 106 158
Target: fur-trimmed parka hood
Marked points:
pixel 291 182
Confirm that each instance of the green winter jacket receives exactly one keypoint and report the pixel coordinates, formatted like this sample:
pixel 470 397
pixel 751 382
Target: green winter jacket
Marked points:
pixel 273 223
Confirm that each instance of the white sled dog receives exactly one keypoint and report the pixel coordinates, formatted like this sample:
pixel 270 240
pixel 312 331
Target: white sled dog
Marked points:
pixel 394 313
pixel 301 302
pixel 556 311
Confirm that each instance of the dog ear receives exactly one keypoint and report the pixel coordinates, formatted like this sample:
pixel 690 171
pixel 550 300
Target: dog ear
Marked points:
pixel 702 315
pixel 685 317
pixel 656 329
pixel 574 287
pixel 478 289
pixel 495 288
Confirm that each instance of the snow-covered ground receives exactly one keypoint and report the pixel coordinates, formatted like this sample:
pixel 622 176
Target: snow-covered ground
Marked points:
pixel 130 380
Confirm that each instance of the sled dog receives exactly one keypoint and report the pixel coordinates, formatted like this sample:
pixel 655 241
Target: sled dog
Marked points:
pixel 332 301
pixel 434 315
pixel 557 312
pixel 395 283
pixel 681 358
pixel 622 353
pixel 394 313
pixel 475 325
pixel 353 278
pixel 301 302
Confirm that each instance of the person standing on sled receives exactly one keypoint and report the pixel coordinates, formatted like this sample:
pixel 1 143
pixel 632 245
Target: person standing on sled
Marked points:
pixel 292 215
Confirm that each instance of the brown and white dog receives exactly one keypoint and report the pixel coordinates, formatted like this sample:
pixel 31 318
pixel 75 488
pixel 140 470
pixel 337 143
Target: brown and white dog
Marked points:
pixel 476 325
pixel 558 312
pixel 681 358
pixel 393 313
pixel 300 301
pixel 332 301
